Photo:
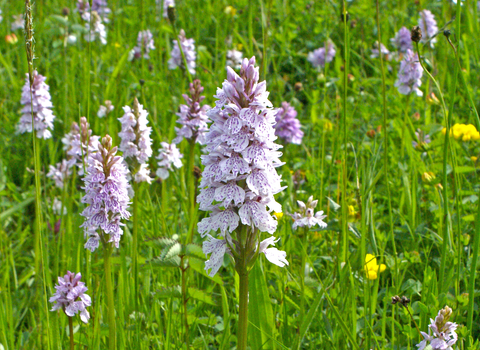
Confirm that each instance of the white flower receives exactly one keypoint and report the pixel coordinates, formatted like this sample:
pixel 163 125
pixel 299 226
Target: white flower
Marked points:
pixel 273 255
pixel 60 172
pixel 307 217
pixel 234 59
pixel 169 156
pixel 105 110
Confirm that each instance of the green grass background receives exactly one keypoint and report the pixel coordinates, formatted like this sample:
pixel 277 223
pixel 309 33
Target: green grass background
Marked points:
pixel 399 218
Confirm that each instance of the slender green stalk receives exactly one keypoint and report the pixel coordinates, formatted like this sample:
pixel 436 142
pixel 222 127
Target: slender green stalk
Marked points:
pixel 136 188
pixel 476 242
pixel 473 270
pixel 344 241
pixel 38 242
pixel 190 79
pixel 303 242
pixel 445 225
pixel 70 330
pixel 466 89
pixel 191 188
pixel 385 146
pixel 184 270
pixel 107 252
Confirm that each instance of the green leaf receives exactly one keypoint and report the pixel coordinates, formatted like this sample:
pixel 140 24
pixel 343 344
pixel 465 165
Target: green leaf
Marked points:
pixel 116 71
pixel 195 251
pixel 199 266
pixel 171 251
pixel 160 241
pixel 308 320
pixel 260 311
pixel 169 292
pixel 15 208
pixel 335 205
pixel 464 169
pixel 201 295
pixel 158 262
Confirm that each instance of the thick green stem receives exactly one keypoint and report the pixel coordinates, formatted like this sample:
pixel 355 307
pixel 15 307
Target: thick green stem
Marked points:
pixel 110 297
pixel 243 312
pixel 70 329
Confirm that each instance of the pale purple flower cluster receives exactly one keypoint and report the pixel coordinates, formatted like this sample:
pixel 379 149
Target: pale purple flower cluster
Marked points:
pixel 376 51
pixel 169 157
pixel 95 27
pixel 402 40
pixel 428 25
pixel 306 217
pixel 70 296
pixel 323 55
pixel 60 172
pixel 99 6
pixel 423 140
pixel 409 74
pixel 166 5
pixel 234 59
pixel 17 23
pixel 106 188
pixel 79 143
pixel 188 47
pixel 136 143
pixel 192 116
pixel 444 335
pixel 240 178
pixel 103 111
pixel 288 126
pixel 144 45
pixel 41 102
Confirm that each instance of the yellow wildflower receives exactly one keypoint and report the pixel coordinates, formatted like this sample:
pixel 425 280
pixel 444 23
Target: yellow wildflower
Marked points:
pixel 327 126
pixel 372 269
pixel 473 158
pixel 278 215
pixel 351 210
pixel 230 10
pixel 428 177
pixel 463 132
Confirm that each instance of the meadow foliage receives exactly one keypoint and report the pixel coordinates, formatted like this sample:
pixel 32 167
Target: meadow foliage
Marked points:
pixel 255 174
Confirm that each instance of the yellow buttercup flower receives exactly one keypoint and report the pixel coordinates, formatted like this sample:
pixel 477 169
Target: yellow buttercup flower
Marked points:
pixel 463 132
pixel 428 177
pixel 328 126
pixel 372 269
pixel 278 215
pixel 230 10
pixel 351 210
